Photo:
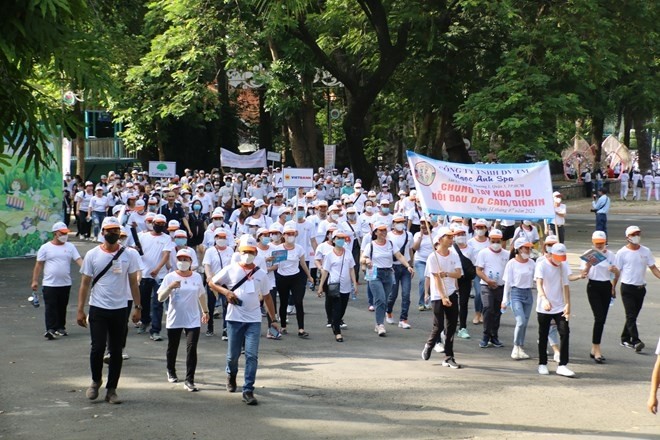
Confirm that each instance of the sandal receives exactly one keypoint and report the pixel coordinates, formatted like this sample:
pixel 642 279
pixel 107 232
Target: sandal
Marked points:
pixel 339 338
pixel 303 335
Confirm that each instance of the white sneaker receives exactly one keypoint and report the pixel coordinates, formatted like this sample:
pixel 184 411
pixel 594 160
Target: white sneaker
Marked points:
pixel 389 319
pixel 543 369
pixel 515 353
pixel 522 354
pixel 404 324
pixel 381 330
pixel 439 347
pixel 124 355
pixel 290 310
pixel 556 357
pixel 563 370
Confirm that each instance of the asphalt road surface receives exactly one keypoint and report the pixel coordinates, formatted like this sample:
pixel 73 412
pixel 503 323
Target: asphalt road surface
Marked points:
pixel 365 388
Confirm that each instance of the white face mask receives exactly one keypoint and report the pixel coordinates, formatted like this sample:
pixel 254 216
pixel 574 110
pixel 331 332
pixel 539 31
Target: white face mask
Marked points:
pixel 547 249
pixel 222 242
pixel 524 255
pixel 183 266
pixel 399 226
pixel 635 239
pixel 460 239
pixel 369 209
pixel 335 217
pixel 247 258
pixel 557 200
pixel 290 239
pixel 479 232
pixel 217 223
pixel 150 226
pixel 496 247
pixel 63 238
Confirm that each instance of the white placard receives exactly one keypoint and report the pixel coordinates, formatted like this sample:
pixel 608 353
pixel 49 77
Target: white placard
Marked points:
pixel 273 156
pixel 162 169
pixel 330 156
pixel 298 178
pixel 233 160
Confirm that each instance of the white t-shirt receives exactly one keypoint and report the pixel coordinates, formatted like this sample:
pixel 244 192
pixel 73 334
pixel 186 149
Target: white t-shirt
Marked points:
pixel 290 265
pixel 139 220
pixel 267 253
pixel 425 247
pixel 382 256
pixel 209 236
pixel 322 250
pixel 520 275
pixel 248 292
pixel 601 271
pixel 57 263
pixel 657 350
pixel 184 309
pixel 306 231
pixel 493 264
pixel 212 258
pixel 532 236
pixel 560 220
pixel 195 261
pixel 476 246
pixel 366 222
pixel 398 240
pixel 633 265
pixel 552 285
pixel 112 291
pixel 98 204
pixel 332 263
pixel 437 263
pixel 153 247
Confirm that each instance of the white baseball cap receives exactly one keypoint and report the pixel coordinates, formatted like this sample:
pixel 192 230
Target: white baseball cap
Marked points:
pixel 632 229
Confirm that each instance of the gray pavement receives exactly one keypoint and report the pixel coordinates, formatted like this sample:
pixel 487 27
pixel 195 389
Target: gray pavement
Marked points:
pixel 367 387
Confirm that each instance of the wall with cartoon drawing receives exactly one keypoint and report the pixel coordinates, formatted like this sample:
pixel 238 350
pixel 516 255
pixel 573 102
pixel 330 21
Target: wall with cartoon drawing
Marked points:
pixel 29 205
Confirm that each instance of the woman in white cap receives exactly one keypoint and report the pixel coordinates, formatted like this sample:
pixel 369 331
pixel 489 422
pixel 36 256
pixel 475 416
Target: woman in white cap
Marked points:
pixel 603 276
pixel 423 247
pixel 265 251
pixel 518 282
pixel 338 271
pixel 478 242
pixel 185 291
pixel 323 249
pixel 216 258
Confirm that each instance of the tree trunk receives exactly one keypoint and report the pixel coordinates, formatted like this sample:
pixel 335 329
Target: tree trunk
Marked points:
pixel 354 126
pixel 454 144
pixel 643 142
pixel 79 140
pixel 159 142
pixel 265 123
pixel 627 125
pixel 597 129
pixel 423 140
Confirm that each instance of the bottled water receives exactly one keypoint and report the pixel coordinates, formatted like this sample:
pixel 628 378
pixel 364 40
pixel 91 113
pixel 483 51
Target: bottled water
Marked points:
pixel 612 301
pixel 34 299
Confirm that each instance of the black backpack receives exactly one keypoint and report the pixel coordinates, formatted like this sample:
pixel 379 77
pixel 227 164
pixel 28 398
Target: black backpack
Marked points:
pixel 469 271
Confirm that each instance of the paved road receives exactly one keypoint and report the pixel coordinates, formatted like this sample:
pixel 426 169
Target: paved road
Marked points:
pixel 367 387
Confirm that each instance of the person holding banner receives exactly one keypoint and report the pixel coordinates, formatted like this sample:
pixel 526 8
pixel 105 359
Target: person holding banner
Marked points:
pixel 443 269
pixel 379 254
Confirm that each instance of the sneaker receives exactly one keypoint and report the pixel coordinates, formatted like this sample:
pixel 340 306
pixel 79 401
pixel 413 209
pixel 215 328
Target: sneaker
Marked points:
pixel 155 337
pixel 142 329
pixel 224 335
pixel 343 325
pixel 404 325
pixel 111 396
pixel 463 333
pixel 439 347
pixel 124 355
pixel 563 370
pixel 371 308
pixel 138 324
pixel 484 343
pixel 249 398
pixel 627 345
pixel 190 386
pixel 381 331
pixel 61 332
pixel 522 354
pixel 543 370
pixel 50 335
pixel 389 319
pixel 231 383
pixel 209 333
pixel 556 357
pixel 171 377
pixel 639 346
pixel 421 308
pixel 426 352
pixel 496 343
pixel 290 310
pixel 93 391
pixel 515 353
pixel 328 325
pixel 106 358
pixel 451 363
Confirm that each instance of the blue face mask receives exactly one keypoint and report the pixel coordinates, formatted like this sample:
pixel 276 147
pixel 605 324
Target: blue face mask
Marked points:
pixel 180 241
pixel 287 217
pixel 300 214
pixel 385 210
pixel 197 207
pixel 265 240
pixel 340 242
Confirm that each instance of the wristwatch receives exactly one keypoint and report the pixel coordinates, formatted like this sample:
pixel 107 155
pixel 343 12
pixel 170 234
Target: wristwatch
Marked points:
pixel 138 307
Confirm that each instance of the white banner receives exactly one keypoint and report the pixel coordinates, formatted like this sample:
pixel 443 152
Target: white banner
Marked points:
pixel 492 191
pixel 162 169
pixel 298 178
pixel 274 156
pixel 233 160
pixel 330 156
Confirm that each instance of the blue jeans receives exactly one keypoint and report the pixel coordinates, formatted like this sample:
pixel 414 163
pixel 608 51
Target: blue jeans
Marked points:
pixel 381 288
pixel 402 277
pixel 420 268
pixel 601 222
pixel 478 306
pixel 521 305
pixel 97 220
pixel 156 309
pixel 237 332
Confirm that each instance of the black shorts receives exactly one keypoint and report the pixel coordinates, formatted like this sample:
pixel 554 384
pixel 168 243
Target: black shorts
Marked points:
pixel 507 232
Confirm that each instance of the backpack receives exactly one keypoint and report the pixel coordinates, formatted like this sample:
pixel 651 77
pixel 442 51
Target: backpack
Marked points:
pixel 469 271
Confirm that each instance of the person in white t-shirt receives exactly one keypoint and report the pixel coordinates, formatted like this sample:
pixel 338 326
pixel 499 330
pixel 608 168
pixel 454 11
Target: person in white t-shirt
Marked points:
pixel 54 260
pixel 632 260
pixel 477 243
pixel 245 285
pixel 556 225
pixel 403 241
pixel 216 258
pixel 553 304
pixel 443 269
pixel 338 268
pixel 108 304
pixel 655 383
pixel 464 283
pixel 423 246
pixel 186 294
pixel 490 265
pixel 98 207
pixel 625 181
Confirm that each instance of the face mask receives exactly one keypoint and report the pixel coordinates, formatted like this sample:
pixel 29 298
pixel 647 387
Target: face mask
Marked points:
pixel 496 247
pixel 369 209
pixel 351 217
pixel 153 208
pixel 300 214
pixel 180 242
pixel 158 229
pixel 221 242
pixel 460 239
pixel 247 258
pixel 287 218
pixel 524 255
pixel 227 183
pixel 479 232
pixel 275 237
pixel 183 266
pixel 150 226
pixel 290 239
pixel 265 240
pixel 111 238
pixel 197 207
pixel 340 242
pixel 557 200
pixel 63 238
pixel 217 223
pixel 335 217
pixel 547 249
pixel 399 226
pixel 635 239
pixel 385 210
pixel 253 231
